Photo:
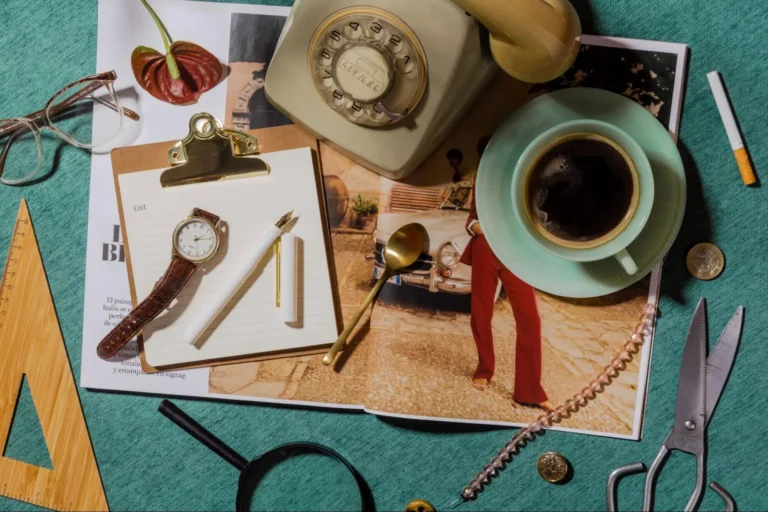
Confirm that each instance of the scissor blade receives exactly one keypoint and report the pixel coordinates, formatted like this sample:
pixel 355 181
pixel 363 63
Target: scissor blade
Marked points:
pixel 720 360
pixel 690 414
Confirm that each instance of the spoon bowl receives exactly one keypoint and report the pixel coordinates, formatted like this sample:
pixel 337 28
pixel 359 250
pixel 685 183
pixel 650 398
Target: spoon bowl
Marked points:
pixel 404 247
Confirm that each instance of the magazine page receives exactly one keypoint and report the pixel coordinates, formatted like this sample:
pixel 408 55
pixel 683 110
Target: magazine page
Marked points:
pixel 437 341
pixel 415 353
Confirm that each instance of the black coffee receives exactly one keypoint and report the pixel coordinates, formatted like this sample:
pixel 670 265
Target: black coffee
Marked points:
pixel 580 190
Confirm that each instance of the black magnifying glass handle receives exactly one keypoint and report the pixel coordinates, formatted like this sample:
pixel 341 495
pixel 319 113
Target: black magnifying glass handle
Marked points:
pixel 193 428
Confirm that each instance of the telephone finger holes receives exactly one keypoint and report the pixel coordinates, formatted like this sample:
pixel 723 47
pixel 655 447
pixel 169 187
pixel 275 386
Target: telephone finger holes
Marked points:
pixel 326 79
pixel 356 110
pixel 395 44
pixel 353 31
pixel 405 64
pixel 336 39
pixel 376 31
pixel 376 113
pixel 338 98
pixel 326 57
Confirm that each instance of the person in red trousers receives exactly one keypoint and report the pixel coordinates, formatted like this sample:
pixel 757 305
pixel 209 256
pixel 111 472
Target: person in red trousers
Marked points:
pixel 487 270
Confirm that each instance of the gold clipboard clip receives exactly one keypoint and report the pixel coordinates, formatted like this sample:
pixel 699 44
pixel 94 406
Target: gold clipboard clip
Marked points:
pixel 211 153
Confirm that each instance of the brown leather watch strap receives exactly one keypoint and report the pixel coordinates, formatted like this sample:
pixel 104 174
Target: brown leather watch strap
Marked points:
pixel 177 275
pixel 214 219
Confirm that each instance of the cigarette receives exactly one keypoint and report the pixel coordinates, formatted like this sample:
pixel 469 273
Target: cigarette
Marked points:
pixel 731 128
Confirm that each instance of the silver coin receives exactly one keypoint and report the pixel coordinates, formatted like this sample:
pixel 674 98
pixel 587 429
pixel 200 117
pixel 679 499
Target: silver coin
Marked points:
pixel 705 261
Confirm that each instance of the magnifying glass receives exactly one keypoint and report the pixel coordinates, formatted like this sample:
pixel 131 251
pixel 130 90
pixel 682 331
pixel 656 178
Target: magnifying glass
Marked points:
pixel 251 473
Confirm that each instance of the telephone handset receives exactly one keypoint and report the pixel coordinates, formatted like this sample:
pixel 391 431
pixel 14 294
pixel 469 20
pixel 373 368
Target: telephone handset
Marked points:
pixel 532 40
pixel 385 82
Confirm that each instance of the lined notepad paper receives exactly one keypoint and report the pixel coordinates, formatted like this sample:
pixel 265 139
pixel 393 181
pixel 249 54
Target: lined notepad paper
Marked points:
pixel 250 324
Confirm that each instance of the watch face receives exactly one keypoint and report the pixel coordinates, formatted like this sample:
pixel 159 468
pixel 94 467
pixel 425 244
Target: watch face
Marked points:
pixel 368 66
pixel 195 240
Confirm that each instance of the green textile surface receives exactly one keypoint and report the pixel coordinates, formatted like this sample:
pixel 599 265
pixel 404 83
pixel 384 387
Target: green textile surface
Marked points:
pixel 147 463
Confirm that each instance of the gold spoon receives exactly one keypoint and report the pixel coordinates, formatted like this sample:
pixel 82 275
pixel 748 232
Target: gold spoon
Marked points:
pixel 402 250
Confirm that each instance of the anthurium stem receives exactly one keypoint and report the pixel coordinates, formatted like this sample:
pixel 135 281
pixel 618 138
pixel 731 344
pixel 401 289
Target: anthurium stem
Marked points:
pixel 173 67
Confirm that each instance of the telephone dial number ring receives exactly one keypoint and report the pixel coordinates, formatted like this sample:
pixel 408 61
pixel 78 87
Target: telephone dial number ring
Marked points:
pixel 368 66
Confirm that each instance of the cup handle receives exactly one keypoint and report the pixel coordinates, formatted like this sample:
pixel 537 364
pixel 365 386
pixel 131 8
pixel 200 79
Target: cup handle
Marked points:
pixel 626 262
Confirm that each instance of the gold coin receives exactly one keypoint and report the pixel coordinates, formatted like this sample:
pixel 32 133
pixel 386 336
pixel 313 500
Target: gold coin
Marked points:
pixel 419 506
pixel 552 467
pixel 705 261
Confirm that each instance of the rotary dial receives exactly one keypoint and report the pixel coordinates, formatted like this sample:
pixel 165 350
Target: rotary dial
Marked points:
pixel 368 66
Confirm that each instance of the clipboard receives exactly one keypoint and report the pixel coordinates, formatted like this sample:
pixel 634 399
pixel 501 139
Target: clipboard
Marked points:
pixel 246 147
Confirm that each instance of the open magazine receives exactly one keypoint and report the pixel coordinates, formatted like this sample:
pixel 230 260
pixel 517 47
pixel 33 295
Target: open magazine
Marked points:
pixel 413 354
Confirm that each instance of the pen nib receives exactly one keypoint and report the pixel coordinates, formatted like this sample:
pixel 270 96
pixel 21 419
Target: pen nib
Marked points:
pixel 285 219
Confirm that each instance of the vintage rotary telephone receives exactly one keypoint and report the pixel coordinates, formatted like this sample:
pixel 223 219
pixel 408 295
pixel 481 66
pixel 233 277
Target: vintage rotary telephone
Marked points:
pixel 385 82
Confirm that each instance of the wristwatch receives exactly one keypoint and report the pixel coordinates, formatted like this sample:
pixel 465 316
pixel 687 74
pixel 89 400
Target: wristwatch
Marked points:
pixel 195 241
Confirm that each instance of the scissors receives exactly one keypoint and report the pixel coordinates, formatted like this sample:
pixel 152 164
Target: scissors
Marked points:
pixel 701 383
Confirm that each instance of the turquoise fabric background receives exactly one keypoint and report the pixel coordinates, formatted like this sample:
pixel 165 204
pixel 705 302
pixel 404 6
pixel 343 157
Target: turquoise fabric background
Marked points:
pixel 147 463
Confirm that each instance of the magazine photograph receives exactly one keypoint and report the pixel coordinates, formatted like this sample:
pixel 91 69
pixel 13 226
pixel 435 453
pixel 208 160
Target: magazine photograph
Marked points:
pixel 458 337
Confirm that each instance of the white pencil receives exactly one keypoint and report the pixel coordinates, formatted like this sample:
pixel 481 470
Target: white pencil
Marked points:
pixel 201 322
pixel 731 128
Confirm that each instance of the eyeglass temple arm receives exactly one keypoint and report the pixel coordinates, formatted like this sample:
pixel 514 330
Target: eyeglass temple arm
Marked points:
pixel 85 91
pixel 12 126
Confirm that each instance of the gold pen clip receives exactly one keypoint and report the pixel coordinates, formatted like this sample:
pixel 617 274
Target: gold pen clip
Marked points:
pixel 211 153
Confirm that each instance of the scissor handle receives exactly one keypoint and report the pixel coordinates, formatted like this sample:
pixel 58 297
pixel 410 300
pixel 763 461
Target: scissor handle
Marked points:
pixel 638 467
pixel 650 480
pixel 613 480
pixel 730 504
pixel 699 484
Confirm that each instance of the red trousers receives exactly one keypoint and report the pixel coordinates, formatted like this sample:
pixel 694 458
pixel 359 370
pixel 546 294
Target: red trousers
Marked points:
pixel 486 272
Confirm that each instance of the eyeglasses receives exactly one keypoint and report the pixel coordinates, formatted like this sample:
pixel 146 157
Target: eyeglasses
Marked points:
pixel 65 115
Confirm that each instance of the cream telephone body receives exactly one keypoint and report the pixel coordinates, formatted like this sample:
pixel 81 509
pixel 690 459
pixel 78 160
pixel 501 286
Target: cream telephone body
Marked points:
pixel 385 82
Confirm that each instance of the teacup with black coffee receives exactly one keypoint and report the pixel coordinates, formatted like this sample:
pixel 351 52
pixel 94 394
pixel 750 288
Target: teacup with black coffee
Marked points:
pixel 584 191
pixel 581 191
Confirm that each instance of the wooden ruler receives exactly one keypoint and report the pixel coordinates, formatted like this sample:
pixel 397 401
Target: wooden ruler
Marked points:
pixel 31 344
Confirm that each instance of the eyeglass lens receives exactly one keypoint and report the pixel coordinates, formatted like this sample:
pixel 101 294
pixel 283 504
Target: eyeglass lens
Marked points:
pixel 20 153
pixel 71 113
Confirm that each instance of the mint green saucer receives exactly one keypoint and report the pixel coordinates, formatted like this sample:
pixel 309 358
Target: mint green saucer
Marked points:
pixel 515 247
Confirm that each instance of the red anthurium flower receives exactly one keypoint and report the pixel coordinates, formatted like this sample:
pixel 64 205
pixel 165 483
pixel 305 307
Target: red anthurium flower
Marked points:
pixel 181 75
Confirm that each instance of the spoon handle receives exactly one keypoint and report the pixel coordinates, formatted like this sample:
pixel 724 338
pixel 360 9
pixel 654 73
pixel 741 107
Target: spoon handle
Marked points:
pixel 342 339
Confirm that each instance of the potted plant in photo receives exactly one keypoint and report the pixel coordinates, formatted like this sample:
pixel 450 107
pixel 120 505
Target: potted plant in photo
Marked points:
pixel 365 210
